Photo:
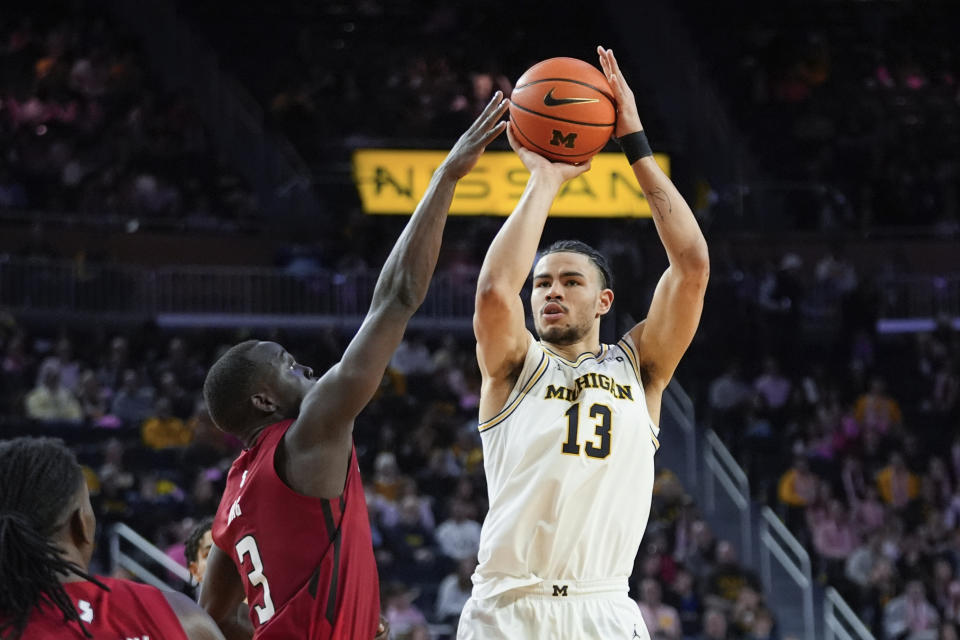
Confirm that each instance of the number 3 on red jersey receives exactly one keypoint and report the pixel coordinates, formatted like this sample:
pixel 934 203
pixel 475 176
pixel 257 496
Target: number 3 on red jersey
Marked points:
pixel 248 545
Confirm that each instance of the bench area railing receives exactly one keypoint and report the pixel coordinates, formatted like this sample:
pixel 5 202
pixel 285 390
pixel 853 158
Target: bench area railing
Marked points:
pixel 840 621
pixel 776 542
pixel 723 469
pixel 143 551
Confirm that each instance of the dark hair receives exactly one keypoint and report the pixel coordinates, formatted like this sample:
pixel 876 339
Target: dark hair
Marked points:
pixel 193 540
pixel 229 383
pixel 40 477
pixel 575 246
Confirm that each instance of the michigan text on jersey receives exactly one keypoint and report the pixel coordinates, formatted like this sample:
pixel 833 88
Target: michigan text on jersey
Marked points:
pixel 590 381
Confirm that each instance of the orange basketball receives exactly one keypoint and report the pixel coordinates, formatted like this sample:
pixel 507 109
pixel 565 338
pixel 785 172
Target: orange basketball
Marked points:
pixel 563 109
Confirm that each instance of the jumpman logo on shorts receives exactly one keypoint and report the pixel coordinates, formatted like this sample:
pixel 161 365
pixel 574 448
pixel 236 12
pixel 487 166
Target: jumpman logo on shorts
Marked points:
pixel 635 634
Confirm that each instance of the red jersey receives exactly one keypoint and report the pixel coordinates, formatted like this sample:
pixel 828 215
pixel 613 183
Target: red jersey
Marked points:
pixel 129 611
pixel 307 563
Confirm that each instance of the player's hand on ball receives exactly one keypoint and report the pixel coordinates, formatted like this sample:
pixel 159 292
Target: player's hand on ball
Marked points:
pixel 535 163
pixel 484 130
pixel 628 119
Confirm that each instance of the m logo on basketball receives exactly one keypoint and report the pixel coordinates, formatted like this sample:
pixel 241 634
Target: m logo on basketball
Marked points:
pixel 560 591
pixel 563 140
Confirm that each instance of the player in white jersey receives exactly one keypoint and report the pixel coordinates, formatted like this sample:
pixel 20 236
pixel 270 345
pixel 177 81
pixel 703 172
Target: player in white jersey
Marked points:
pixel 569 425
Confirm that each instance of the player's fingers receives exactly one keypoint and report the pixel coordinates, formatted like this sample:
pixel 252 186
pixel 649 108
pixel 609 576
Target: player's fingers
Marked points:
pixel 491 135
pixel 616 86
pixel 495 102
pixel 496 114
pixel 611 62
pixel 601 52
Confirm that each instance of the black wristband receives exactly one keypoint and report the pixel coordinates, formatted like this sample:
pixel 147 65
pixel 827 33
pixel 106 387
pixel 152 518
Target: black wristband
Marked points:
pixel 635 146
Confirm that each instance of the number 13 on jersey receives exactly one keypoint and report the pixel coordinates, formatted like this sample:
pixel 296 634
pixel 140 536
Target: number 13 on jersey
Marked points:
pixel 593 449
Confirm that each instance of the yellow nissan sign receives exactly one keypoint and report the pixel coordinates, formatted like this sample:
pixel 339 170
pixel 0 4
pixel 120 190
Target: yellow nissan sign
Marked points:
pixel 393 181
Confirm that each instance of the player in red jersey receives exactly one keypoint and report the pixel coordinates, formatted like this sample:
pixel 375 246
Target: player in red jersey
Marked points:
pixel 46 541
pixel 291 533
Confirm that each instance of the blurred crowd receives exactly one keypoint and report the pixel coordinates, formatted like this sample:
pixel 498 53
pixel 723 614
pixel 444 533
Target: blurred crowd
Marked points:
pixel 85 129
pixel 343 74
pixel 852 436
pixel 861 99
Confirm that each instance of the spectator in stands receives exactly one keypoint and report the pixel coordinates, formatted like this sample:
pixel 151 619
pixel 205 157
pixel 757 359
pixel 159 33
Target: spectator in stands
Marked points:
pixel 728 578
pixel 132 402
pixel 69 366
pixel 181 402
pixel 163 430
pixel 407 622
pixel 715 626
pixel 467 451
pixel 50 401
pixel 834 539
pixel 796 491
pixel 412 358
pixel 910 615
pixel 112 373
pixel 205 494
pixel 729 396
pixel 454 592
pixel 746 610
pixel 209 444
pixel 869 514
pixel 897 485
pixel 941 579
pixel 941 485
pixel 183 366
pixel 459 535
pixel 860 564
pixel 391 510
pixel 701 548
pixel 877 411
pixel 16 360
pixel 685 599
pixel 116 480
pixel 763 627
pixel 945 391
pixel 387 480
pixel 951 608
pixel 773 386
pixel 411 543
pixel 883 587
pixel 93 400
pixel 662 620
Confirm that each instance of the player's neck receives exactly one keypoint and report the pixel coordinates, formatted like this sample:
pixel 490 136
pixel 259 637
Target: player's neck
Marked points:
pixel 573 351
pixel 253 434
pixel 74 556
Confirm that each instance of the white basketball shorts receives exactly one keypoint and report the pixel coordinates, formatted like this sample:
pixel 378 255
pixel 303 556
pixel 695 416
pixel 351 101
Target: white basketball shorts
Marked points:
pixel 598 610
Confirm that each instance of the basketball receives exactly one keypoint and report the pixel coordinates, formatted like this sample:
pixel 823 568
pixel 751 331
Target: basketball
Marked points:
pixel 563 109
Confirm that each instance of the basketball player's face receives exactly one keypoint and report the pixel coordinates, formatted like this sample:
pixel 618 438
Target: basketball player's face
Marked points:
pixel 567 299
pixel 289 381
pixel 199 566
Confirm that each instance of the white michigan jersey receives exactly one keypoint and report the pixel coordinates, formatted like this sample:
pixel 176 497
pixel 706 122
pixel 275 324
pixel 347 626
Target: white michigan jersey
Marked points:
pixel 569 465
